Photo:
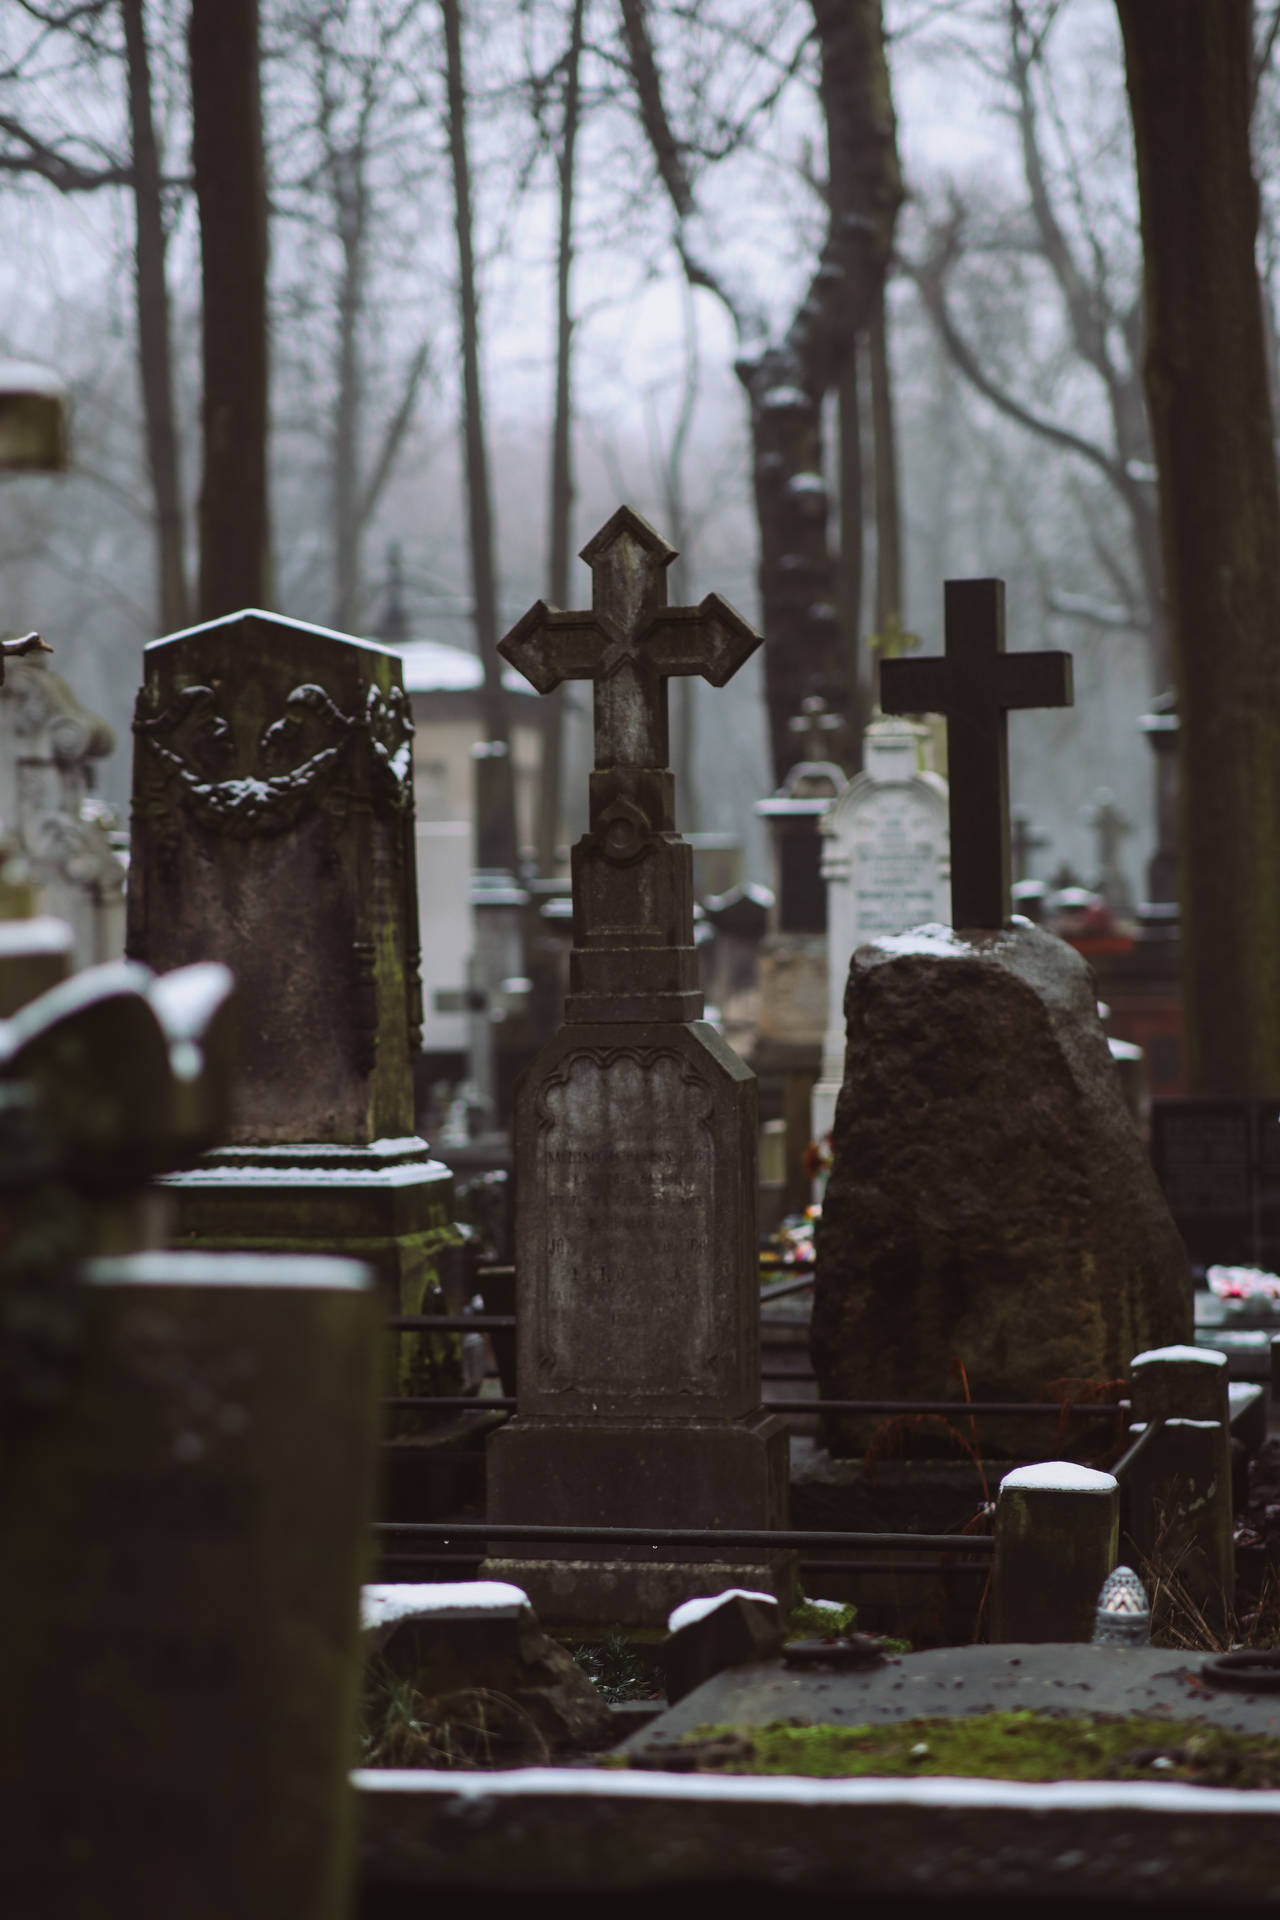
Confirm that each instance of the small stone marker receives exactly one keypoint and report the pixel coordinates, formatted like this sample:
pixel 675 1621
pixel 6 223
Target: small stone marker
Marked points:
pixel 1182 1518
pixel 1057 1527
pixel 729 1629
pixel 976 685
pixel 639 1395
pixel 885 864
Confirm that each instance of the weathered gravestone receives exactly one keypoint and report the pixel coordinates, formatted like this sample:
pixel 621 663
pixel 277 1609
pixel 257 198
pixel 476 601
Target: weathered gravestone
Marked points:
pixel 885 864
pixel 48 744
pixel 989 1205
pixel 187 1443
pixel 273 829
pixel 639 1394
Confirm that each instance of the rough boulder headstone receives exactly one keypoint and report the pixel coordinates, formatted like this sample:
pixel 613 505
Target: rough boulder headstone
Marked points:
pixel 639 1377
pixel 991 1217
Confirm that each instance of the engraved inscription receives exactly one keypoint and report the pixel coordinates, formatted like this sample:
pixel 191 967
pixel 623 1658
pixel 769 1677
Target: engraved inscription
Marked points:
pixel 895 880
pixel 634 1204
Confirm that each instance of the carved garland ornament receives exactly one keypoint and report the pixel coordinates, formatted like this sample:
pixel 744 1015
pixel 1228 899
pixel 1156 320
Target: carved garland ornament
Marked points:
pixel 192 741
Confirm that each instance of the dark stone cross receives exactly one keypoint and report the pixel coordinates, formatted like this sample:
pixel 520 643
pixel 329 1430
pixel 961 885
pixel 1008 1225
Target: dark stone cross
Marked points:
pixel 630 643
pixel 976 685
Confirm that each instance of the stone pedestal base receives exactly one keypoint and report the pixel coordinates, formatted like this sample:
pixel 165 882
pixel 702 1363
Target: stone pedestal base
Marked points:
pixel 389 1204
pixel 585 1472
pixel 594 1593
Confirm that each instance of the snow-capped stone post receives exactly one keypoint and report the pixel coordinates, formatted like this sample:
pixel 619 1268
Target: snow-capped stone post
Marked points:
pixel 188 1460
pixel 976 685
pixel 273 829
pixel 1179 1515
pixel 990 1215
pixel 1057 1529
pixel 639 1377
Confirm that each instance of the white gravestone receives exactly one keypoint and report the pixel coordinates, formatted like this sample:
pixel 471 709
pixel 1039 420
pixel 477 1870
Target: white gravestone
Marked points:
pixel 886 862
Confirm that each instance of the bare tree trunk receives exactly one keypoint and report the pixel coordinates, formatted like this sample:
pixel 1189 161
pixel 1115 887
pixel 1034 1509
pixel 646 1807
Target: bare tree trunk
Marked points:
pixel 805 650
pixel 230 181
pixel 888 517
pixel 351 207
pixel 560 533
pixel 155 364
pixel 850 560
pixel 496 815
pixel 1189 78
pixel 678 531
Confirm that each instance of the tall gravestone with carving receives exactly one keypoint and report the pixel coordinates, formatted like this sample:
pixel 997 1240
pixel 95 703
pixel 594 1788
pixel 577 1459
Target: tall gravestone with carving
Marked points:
pixel 273 829
pixel 639 1378
pixel 990 1215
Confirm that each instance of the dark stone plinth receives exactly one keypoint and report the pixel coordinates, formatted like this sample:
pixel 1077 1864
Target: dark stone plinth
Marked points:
pixel 595 1472
pixel 273 830
pixel 990 1202
pixel 185 1525
pixel 389 1204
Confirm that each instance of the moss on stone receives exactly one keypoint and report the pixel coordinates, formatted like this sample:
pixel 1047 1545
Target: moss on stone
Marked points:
pixel 991 1746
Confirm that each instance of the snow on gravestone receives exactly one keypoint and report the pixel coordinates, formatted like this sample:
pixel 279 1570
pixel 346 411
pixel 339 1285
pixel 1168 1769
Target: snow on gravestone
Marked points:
pixel 885 862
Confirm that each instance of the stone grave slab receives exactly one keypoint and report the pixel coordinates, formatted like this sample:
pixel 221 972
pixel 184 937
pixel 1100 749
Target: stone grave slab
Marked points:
pixel 639 1372
pixel 273 829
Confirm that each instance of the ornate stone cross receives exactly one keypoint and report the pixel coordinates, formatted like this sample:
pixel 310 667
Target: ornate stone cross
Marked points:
pixel 976 685
pixel 633 956
pixel 630 643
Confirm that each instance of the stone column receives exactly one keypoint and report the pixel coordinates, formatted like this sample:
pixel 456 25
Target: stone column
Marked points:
pixel 1057 1528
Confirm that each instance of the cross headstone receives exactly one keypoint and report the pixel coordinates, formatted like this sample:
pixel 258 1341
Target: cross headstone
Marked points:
pixel 1024 844
pixel 638 1316
pixel 633 955
pixel 1111 826
pixel 816 726
pixel 975 685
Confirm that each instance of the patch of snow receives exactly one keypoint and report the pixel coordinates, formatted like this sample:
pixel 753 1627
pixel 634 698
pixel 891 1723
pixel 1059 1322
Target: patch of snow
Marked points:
pixel 1020 919
pixel 778 397
pixel 324 1272
pixel 1062 1476
pixel 1243 1283
pixel 30 377
pixel 690 1610
pixel 828 1606
pixel 1124 1049
pixel 572 1783
pixel 382 1606
pixel 812 483
pixel 43 933
pixel 1179 1420
pixel 186 999
pixel 932 938
pixel 1204 1355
